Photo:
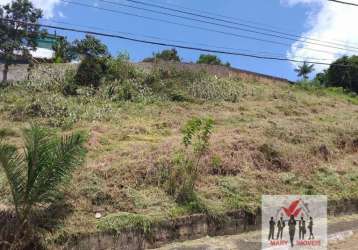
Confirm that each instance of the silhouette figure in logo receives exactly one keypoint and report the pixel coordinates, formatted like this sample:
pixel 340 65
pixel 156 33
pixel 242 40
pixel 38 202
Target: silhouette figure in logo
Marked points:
pixel 272 229
pixel 292 228
pixel 302 228
pixel 280 225
pixel 310 227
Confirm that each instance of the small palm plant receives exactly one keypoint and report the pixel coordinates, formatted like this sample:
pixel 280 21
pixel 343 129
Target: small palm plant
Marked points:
pixel 304 70
pixel 36 174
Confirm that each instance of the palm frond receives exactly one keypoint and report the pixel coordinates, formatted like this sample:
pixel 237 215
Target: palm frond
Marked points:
pixel 13 165
pixel 63 157
pixel 38 150
pixel 36 175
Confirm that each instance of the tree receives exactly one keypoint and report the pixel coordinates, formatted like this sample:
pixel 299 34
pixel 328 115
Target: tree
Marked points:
pixel 304 70
pixel 93 66
pixel 90 72
pixel 209 59
pixel 165 55
pixel 91 47
pixel 17 38
pixel 321 78
pixel 64 51
pixel 36 175
pixel 343 73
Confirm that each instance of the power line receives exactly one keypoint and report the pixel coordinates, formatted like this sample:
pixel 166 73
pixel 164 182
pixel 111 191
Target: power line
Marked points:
pixel 342 2
pixel 274 31
pixel 261 24
pixel 180 41
pixel 277 35
pixel 190 26
pixel 167 44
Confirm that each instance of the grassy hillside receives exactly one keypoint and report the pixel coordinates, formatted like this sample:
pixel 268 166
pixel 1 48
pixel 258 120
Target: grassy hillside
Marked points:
pixel 268 138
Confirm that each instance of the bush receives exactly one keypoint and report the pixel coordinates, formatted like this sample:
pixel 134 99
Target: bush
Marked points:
pixel 126 221
pixel 69 89
pixel 120 69
pixel 90 72
pixel 122 91
pixel 181 177
pixel 165 55
pixel 211 60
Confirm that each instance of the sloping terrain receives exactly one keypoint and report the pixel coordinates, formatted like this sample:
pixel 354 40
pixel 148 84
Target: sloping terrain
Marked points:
pixel 268 138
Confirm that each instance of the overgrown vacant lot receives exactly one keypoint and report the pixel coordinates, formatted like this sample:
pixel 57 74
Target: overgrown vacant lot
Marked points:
pixel 268 138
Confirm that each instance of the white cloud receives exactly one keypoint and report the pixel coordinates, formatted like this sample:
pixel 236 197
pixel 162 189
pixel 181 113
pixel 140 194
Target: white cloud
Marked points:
pixel 326 21
pixel 47 6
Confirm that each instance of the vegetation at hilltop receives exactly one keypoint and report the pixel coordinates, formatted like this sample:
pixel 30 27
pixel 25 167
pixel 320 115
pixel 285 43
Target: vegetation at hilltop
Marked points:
pixel 342 73
pixel 170 55
pixel 211 60
pixel 265 138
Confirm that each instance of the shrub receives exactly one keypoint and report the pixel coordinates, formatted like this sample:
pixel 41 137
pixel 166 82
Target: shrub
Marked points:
pixel 209 88
pixel 123 91
pixel 69 89
pixel 126 221
pixel 90 72
pixel 165 55
pixel 185 170
pixel 120 69
pixel 211 60
pixel 126 92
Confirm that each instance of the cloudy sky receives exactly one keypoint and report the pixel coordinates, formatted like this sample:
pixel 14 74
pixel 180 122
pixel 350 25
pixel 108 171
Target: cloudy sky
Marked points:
pixel 326 29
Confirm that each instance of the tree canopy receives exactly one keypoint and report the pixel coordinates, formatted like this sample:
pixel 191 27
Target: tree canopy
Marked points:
pixel 210 59
pixel 343 73
pixel 17 38
pixel 165 55
pixel 91 46
pixel 64 51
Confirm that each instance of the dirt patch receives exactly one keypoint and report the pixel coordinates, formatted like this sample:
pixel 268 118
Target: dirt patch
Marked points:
pixel 269 158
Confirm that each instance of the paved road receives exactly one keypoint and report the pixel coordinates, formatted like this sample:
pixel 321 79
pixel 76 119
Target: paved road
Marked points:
pixel 343 235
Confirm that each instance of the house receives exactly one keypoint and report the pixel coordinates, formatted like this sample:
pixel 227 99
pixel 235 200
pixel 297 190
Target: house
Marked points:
pixel 44 50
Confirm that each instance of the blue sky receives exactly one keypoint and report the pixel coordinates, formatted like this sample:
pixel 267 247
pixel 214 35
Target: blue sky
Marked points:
pixel 292 16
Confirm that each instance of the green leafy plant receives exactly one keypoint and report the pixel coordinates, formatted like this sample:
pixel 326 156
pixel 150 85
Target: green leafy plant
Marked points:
pixel 90 47
pixel 165 55
pixel 183 176
pixel 36 175
pixel 120 69
pixel 90 72
pixel 64 51
pixel 126 221
pixel 211 60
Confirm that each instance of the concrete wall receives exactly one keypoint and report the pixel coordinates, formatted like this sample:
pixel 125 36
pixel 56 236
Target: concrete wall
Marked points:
pixel 16 72
pixel 189 228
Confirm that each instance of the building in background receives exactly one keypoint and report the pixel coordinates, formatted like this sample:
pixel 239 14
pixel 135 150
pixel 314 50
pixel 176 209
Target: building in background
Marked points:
pixel 45 47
